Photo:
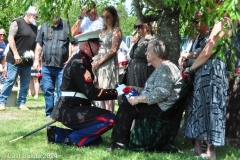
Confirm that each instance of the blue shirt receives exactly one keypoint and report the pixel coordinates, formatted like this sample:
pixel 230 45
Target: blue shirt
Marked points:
pixel 3 46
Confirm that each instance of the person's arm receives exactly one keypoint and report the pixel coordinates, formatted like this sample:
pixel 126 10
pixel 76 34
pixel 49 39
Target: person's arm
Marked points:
pixel 116 41
pixel 40 60
pixel 186 55
pixel 70 48
pixel 12 44
pixel 38 51
pixel 193 54
pixel 217 33
pixel 77 25
pixel 4 63
pixel 70 51
pixel 1 69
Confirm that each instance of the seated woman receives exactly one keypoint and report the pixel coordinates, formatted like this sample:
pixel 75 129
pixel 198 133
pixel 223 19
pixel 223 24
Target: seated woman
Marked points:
pixel 158 96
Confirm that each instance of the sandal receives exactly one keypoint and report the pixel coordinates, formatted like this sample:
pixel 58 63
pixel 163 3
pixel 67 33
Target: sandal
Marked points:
pixel 115 146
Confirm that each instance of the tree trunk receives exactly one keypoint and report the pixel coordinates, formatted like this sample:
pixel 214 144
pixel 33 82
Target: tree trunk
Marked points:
pixel 168 31
pixel 233 109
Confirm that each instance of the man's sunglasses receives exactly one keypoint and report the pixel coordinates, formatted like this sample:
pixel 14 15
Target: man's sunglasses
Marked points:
pixel 2 34
pixel 138 26
pixel 35 16
pixel 195 21
pixel 88 11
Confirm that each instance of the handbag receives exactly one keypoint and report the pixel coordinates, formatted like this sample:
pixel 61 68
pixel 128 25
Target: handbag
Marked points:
pixel 123 79
pixel 188 63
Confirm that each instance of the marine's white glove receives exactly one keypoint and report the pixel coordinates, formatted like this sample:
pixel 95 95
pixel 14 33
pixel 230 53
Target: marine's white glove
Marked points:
pixel 120 89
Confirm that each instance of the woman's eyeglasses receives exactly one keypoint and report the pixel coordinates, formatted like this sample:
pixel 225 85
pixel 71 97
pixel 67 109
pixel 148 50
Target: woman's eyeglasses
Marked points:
pixel 106 17
pixel 195 21
pixel 138 26
pixel 2 34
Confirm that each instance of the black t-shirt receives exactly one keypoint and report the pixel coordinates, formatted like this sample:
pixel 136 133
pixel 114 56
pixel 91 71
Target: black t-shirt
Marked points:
pixel 25 41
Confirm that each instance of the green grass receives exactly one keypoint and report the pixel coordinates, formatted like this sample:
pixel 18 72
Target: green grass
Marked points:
pixel 15 123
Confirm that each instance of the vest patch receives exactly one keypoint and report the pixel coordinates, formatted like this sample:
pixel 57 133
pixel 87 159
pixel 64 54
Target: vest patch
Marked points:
pixel 87 76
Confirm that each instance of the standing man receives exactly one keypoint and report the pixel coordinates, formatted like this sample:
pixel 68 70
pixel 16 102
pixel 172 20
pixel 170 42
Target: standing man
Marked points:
pixel 22 34
pixel 53 41
pixel 88 20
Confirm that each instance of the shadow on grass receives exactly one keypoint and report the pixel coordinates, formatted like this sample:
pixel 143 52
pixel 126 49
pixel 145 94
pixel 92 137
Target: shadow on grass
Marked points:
pixel 223 152
pixel 37 108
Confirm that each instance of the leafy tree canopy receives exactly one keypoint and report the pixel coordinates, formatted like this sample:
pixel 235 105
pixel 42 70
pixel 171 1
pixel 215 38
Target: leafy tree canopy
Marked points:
pixel 172 16
pixel 67 9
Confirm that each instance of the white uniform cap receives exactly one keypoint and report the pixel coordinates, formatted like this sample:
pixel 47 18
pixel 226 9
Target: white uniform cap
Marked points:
pixel 89 36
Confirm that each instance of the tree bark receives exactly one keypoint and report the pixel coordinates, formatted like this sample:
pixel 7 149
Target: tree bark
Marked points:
pixel 168 30
pixel 168 25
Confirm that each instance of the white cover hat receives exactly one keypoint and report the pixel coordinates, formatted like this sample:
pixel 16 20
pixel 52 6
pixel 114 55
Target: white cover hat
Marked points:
pixel 89 36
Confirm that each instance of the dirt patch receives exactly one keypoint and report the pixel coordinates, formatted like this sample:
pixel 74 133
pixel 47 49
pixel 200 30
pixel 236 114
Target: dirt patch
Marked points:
pixel 8 116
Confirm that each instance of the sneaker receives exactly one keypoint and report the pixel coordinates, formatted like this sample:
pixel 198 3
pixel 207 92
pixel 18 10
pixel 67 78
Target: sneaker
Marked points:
pixel 48 118
pixel 23 107
pixel 2 107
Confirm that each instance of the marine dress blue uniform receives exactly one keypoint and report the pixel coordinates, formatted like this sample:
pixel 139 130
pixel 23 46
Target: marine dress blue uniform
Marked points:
pixel 74 109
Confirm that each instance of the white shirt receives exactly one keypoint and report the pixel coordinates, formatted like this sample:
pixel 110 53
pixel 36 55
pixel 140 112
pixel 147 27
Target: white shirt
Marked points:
pixel 87 25
pixel 122 55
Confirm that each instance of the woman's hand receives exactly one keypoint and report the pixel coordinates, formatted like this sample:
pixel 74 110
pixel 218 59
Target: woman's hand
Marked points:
pixel 188 70
pixel 96 65
pixel 17 58
pixel 182 58
pixel 133 100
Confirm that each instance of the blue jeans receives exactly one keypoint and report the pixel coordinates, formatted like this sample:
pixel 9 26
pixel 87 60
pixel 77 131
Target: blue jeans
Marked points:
pixel 50 76
pixel 56 93
pixel 12 73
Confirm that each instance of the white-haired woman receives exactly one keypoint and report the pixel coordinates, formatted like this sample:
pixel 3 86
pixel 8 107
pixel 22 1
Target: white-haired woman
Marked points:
pixel 159 94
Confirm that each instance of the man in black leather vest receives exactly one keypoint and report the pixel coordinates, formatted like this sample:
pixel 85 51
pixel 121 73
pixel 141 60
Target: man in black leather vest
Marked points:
pixel 22 34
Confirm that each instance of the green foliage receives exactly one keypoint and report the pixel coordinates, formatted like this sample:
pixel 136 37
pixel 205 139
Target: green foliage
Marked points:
pixel 127 25
pixel 9 12
pixel 66 9
pixel 154 10
pixel 230 7
pixel 122 11
pixel 126 22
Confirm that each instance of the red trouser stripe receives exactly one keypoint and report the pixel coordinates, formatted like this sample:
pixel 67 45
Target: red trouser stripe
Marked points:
pixel 111 121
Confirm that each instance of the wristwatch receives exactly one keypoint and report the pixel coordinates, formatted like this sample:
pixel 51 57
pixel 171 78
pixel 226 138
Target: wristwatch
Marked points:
pixel 80 17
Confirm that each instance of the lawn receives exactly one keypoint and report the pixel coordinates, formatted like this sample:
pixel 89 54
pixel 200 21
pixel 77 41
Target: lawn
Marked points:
pixel 15 123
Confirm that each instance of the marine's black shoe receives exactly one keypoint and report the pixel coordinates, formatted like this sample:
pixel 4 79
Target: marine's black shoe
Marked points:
pixel 68 142
pixel 51 134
